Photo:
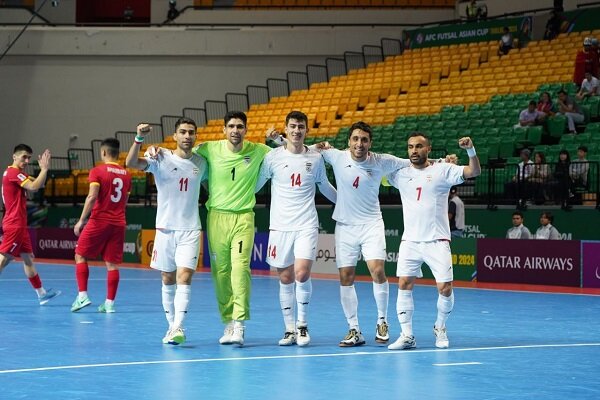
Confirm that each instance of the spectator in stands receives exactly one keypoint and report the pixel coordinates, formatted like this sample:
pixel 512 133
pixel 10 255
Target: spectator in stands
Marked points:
pixel 586 60
pixel 518 230
pixel 539 177
pixel 570 109
pixel 546 231
pixel 553 25
pixel 579 170
pixel 456 213
pixel 173 12
pixel 476 11
pixel 595 50
pixel 561 183
pixel 530 116
pixel 545 106
pixel 516 188
pixel 506 42
pixel 589 87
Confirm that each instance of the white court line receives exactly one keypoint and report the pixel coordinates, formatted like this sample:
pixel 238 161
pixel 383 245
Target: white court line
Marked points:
pixel 454 364
pixel 327 355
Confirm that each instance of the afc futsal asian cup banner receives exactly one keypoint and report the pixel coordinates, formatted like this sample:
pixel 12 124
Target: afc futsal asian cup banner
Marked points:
pixel 481 31
pixel 543 262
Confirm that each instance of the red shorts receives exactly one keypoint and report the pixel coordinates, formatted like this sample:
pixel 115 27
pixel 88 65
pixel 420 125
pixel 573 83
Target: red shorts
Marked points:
pixel 16 241
pixel 100 237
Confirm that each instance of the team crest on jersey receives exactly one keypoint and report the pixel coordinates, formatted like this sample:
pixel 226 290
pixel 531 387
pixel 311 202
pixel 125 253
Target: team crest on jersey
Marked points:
pixel 196 171
pixel 247 159
pixel 308 165
pixel 369 172
pixel 429 178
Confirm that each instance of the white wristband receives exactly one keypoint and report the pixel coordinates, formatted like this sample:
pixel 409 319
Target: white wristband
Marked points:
pixel 471 152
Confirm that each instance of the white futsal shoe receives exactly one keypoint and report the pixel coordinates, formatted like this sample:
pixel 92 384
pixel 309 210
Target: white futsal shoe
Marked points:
pixel 441 338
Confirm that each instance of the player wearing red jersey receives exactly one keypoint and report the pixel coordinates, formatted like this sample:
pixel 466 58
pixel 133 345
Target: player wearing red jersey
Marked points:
pixel 104 234
pixel 16 241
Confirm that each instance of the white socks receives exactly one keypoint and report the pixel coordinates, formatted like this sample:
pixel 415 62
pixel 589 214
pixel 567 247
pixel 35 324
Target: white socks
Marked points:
pixel 350 305
pixel 303 294
pixel 168 298
pixel 182 301
pixel 286 300
pixel 405 308
pixel 381 292
pixel 444 306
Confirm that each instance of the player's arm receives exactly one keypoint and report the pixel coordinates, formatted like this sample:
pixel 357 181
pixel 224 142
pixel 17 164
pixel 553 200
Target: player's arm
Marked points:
pixel 474 168
pixel 264 174
pixel 90 200
pixel 37 183
pixel 275 136
pixel 325 187
pixel 133 160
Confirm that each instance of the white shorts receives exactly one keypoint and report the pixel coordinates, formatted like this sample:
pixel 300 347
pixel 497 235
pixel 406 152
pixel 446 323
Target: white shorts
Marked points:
pixel 285 247
pixel 352 240
pixel 436 255
pixel 174 249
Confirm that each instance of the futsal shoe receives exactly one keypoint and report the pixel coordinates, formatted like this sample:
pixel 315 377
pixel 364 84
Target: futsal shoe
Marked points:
pixel 50 294
pixel 404 342
pixel 237 337
pixel 441 338
pixel 227 333
pixel 165 339
pixel 289 338
pixel 106 308
pixel 176 336
pixel 302 336
pixel 353 338
pixel 78 304
pixel 382 333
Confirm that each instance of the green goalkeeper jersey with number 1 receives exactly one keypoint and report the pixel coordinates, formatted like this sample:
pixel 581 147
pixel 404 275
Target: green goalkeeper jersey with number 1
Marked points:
pixel 232 176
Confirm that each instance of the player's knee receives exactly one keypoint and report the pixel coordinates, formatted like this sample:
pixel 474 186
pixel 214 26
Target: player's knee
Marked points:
pixel 446 289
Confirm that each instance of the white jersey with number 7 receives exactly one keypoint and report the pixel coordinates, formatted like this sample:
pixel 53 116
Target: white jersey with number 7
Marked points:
pixel 424 194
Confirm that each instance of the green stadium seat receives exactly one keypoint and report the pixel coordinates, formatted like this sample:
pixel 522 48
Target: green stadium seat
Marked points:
pixel 593 127
pixel 557 125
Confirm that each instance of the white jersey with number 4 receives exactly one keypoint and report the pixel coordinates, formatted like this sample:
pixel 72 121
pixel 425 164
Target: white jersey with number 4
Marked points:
pixel 293 179
pixel 178 186
pixel 424 195
pixel 357 184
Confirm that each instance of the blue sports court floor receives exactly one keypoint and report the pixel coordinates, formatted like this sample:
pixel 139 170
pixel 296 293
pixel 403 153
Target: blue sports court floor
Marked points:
pixel 504 345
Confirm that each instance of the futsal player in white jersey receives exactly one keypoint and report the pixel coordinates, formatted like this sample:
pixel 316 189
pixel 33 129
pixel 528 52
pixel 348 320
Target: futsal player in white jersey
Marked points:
pixel 177 174
pixel 424 189
pixel 359 225
pixel 294 170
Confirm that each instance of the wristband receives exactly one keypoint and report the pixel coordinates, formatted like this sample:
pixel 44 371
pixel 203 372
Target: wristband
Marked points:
pixel 471 152
pixel 139 139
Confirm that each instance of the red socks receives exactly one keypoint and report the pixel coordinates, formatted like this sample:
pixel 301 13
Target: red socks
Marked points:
pixel 36 282
pixel 82 272
pixel 112 283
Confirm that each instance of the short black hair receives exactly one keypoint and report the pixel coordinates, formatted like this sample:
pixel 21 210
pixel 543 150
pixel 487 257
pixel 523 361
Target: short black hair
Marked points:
pixel 562 91
pixel 185 120
pixel 417 134
pixel 583 148
pixel 519 213
pixel 548 215
pixel 22 147
pixel 298 116
pixel 363 126
pixel 235 115
pixel 112 146
pixel 533 103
